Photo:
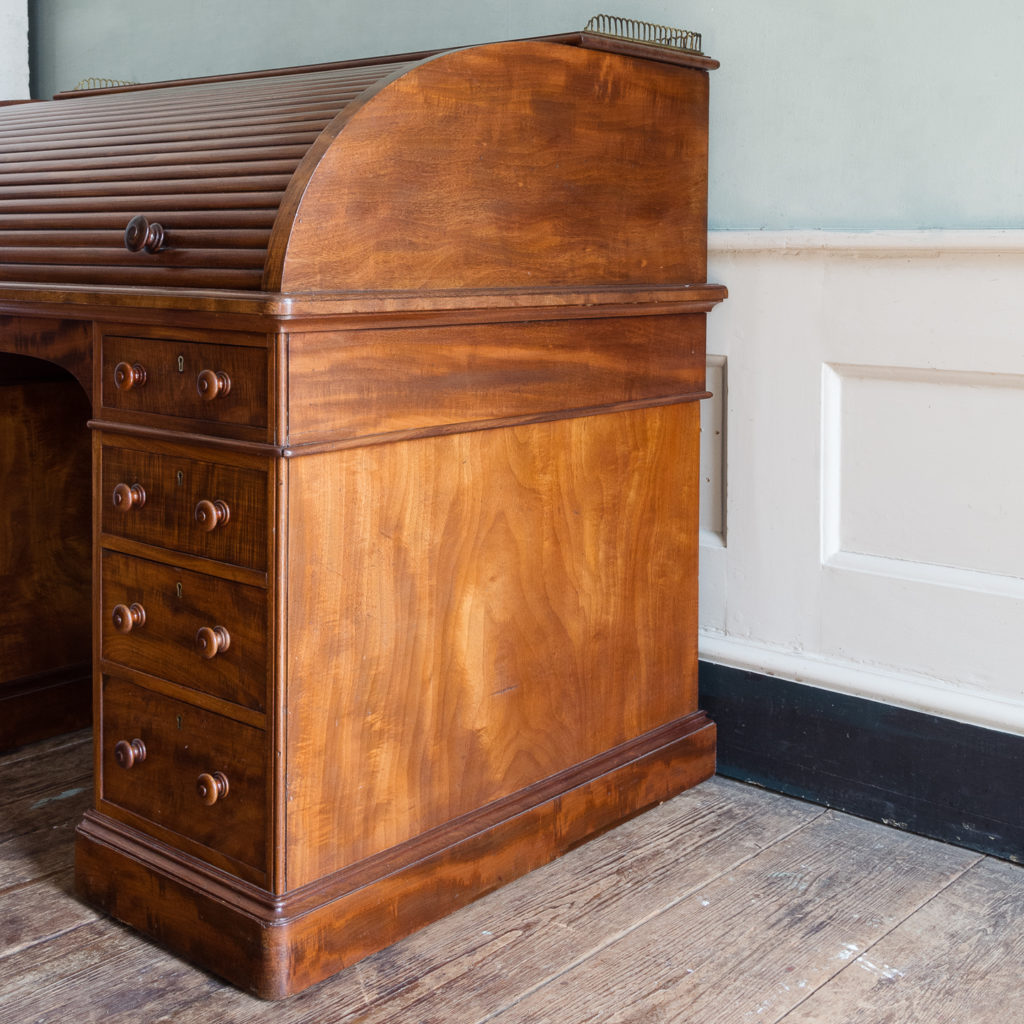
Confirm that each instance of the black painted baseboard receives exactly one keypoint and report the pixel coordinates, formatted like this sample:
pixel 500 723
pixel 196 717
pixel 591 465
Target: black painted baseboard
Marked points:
pixel 933 776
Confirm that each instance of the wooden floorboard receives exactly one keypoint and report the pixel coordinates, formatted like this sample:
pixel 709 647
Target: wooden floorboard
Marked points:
pixel 754 942
pixel 36 832
pixel 957 959
pixel 726 904
pixel 44 769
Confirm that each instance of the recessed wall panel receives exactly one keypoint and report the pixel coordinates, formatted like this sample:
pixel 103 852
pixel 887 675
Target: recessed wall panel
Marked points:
pixel 923 466
pixel 712 455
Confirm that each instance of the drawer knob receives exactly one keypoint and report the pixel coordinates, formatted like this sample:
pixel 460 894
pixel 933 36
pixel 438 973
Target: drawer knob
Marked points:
pixel 128 617
pixel 212 384
pixel 129 375
pixel 211 514
pixel 210 641
pixel 129 753
pixel 141 234
pixel 211 787
pixel 128 497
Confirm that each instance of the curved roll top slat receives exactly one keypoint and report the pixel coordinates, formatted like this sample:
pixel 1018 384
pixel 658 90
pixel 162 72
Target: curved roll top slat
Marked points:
pixel 209 162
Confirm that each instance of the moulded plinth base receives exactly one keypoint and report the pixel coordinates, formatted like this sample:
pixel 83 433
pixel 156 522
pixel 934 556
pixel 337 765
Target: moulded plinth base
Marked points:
pixel 277 945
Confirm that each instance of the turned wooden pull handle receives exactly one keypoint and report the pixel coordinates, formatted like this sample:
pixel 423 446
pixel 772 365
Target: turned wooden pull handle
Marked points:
pixel 212 384
pixel 127 497
pixel 129 375
pixel 128 617
pixel 211 514
pixel 141 234
pixel 211 787
pixel 211 640
pixel 128 753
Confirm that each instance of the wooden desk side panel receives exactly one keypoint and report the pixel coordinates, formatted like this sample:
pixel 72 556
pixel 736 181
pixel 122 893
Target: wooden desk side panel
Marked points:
pixel 511 165
pixel 476 613
pixel 45 534
pixel 358 383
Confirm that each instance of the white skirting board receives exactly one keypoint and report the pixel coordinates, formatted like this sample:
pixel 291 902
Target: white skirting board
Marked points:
pixel 880 683
pixel 863 513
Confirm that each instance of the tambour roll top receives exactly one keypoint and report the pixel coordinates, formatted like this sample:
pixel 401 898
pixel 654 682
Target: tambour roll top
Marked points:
pixel 208 162
pixel 497 166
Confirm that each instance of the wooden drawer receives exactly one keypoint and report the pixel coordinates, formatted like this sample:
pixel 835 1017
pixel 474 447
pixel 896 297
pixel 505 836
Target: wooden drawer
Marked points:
pixel 180 503
pixel 184 748
pixel 208 383
pixel 200 631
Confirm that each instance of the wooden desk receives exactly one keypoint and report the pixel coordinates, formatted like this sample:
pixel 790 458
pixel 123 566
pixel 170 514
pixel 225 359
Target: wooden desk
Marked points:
pixel 394 388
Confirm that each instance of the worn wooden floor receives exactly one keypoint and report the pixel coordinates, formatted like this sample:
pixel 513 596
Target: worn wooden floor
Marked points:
pixel 725 904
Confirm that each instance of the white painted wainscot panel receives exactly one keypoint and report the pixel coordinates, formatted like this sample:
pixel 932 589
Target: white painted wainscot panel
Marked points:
pixel 864 466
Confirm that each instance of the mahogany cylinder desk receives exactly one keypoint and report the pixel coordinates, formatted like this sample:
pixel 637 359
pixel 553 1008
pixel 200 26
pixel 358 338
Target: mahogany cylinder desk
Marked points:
pixel 390 371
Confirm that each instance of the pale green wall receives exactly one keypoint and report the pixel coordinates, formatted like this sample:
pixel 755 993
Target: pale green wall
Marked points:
pixel 13 49
pixel 846 114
